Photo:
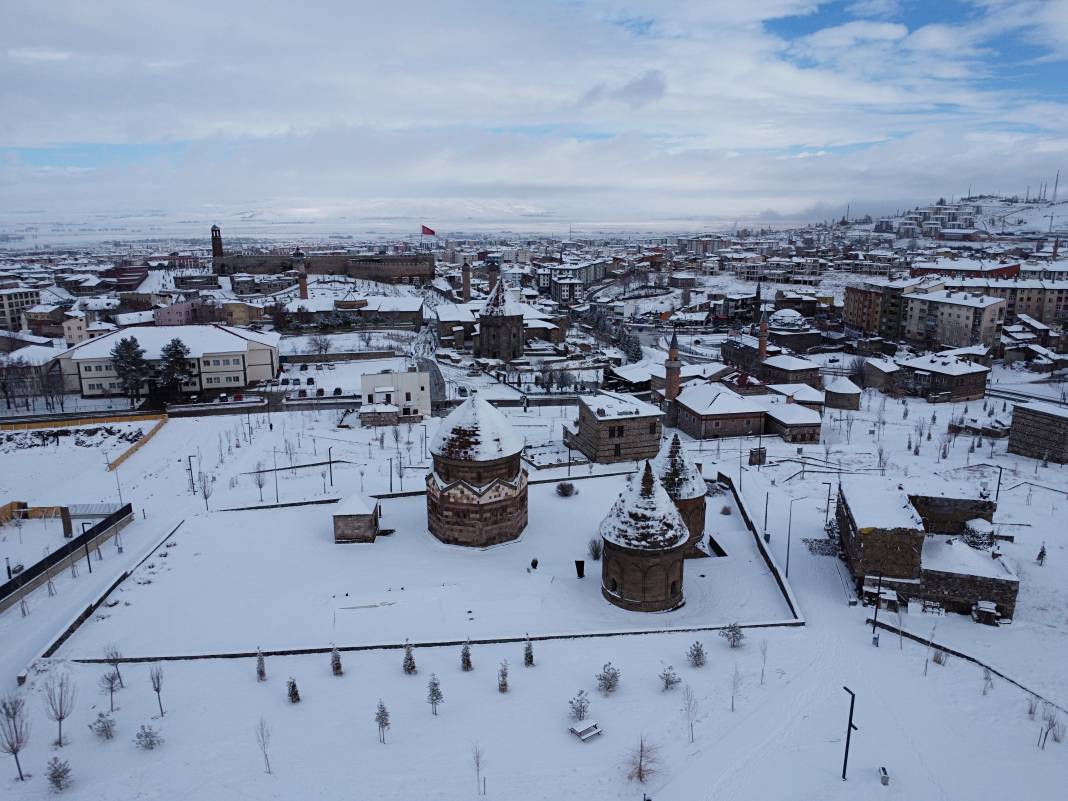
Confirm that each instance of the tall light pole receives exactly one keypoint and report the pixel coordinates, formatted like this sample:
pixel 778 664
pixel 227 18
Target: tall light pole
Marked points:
pixel 118 485
pixel 789 532
pixel 330 462
pixel 849 729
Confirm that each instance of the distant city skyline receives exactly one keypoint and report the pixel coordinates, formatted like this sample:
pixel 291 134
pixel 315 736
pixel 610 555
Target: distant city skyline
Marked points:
pixel 681 115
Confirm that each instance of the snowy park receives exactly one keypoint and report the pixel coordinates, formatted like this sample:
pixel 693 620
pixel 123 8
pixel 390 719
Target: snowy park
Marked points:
pixel 226 583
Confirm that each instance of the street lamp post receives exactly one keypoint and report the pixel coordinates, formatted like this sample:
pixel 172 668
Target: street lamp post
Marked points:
pixel 330 463
pixel 849 730
pixel 789 531
pixel 827 512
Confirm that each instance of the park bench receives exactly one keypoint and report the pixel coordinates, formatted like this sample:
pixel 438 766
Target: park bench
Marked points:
pixel 587 732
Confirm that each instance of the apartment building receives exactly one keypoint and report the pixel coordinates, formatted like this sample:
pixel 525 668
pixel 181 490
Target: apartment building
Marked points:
pixel 1042 300
pixel 14 301
pixel 953 319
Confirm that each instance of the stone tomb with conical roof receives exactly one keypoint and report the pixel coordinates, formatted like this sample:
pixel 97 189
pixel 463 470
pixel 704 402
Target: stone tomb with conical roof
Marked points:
pixel 500 326
pixel 644 545
pixel 686 487
pixel 476 494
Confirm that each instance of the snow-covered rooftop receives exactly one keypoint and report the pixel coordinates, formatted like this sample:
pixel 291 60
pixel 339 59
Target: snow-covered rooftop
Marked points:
pixel 678 472
pixel 784 362
pixel 843 386
pixel 607 405
pixel 946 365
pixel 953 555
pixel 878 502
pixel 476 431
pixel 644 517
pixel 355 504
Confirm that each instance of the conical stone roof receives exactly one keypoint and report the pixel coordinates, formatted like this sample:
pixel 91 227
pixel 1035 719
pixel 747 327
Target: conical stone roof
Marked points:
pixel 644 517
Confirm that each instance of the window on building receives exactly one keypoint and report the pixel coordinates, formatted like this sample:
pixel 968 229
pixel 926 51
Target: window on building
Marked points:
pixel 407 396
pixel 617 450
pixel 652 427
pixel 87 368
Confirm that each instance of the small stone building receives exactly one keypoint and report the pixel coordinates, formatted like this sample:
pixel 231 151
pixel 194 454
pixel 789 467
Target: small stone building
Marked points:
pixel 842 394
pixel 356 519
pixel 940 377
pixel 1040 430
pixel 645 541
pixel 476 495
pixel 615 427
pixel 885 530
pixel 686 487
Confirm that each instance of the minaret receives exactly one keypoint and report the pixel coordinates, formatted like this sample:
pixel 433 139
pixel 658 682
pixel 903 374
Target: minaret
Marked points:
pixel 756 308
pixel 465 271
pixel 672 380
pixel 762 347
pixel 216 242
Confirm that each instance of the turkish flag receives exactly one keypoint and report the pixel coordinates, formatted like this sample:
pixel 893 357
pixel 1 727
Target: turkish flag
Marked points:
pixel 428 231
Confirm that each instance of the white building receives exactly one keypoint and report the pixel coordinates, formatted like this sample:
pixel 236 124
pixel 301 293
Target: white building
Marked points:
pixel 13 302
pixel 408 390
pixel 221 358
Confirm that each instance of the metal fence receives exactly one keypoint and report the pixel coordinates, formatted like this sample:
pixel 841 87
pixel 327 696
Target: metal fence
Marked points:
pixel 82 541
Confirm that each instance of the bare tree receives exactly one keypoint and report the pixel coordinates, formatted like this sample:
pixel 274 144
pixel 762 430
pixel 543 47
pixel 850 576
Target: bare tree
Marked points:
pixel 643 761
pixel 155 675
pixel 736 684
pixel 263 740
pixel 113 656
pixel 14 728
pixel 319 344
pixel 60 695
pixel 259 478
pixel 478 759
pixel 580 705
pixel 763 659
pixel 691 707
pixel 109 683
pixel 207 487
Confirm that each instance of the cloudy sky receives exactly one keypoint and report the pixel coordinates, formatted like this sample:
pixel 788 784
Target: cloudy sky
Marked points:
pixel 553 110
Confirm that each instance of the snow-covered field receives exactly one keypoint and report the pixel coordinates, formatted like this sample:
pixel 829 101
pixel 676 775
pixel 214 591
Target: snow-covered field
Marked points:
pixel 349 342
pixel 273 578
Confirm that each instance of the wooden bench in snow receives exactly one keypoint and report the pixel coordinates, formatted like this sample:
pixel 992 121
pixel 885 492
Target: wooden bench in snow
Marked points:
pixel 590 731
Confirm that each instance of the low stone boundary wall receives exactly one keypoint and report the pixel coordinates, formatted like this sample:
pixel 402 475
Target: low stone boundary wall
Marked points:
pixel 961 655
pixel 769 560
pixel 137 445
pixel 59 421
pixel 344 356
pixel 394 646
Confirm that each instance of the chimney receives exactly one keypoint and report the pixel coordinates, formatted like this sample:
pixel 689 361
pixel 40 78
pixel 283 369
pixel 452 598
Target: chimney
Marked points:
pixel 465 271
pixel 302 280
pixel 790 399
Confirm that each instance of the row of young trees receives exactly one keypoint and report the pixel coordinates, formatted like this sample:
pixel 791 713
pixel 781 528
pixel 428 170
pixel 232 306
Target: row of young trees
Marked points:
pixel 60 699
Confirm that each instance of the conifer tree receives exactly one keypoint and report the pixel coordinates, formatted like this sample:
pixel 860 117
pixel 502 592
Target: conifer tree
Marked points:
pixel 502 677
pixel 696 655
pixel 261 667
pixel 173 368
pixel 292 691
pixel 382 719
pixel 335 662
pixel 409 661
pixel 128 361
pixel 528 654
pixel 465 658
pixel 434 696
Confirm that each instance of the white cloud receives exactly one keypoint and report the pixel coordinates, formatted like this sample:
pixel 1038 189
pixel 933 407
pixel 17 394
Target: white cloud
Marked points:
pixel 632 109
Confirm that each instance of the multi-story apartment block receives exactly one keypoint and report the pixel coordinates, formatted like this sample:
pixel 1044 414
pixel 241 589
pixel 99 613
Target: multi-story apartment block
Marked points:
pixel 953 319
pixel 13 302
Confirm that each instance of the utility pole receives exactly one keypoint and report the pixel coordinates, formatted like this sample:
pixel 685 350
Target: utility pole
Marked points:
pixel 849 729
pixel 391 474
pixel 189 467
pixel 118 485
pixel 997 493
pixel 330 462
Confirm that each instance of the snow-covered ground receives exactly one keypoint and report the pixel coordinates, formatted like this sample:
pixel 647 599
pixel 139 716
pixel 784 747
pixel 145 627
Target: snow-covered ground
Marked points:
pixel 237 580
pixel 349 342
